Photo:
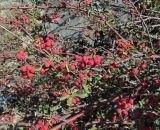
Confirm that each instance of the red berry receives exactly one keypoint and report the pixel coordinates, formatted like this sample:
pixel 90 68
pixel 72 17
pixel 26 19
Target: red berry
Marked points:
pixel 86 59
pixel 131 101
pixel 42 71
pixel 71 124
pixel 72 67
pixel 143 66
pixel 116 64
pixel 82 65
pixel 32 70
pixel 48 44
pixel 19 57
pixel 23 17
pixel 98 60
pixel 63 65
pixel 27 21
pixel 37 126
pixel 55 51
pixel 91 74
pixel 91 62
pixel 47 48
pixel 47 64
pixel 24 68
pixel 77 57
pixel 134 72
pixel 125 113
pixel 63 4
pixel 76 83
pixel 28 67
pixel 119 110
pixel 40 122
pixel 30 75
pixel 54 94
pixel 127 105
pixel 41 129
pixel 106 76
pixel 131 10
pixel 50 36
pixel 114 118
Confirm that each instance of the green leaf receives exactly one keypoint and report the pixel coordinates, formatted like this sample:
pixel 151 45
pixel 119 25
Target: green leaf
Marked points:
pixel 93 128
pixel 65 111
pixel 59 74
pixel 67 68
pixel 142 102
pixel 64 97
pixel 85 86
pixel 116 125
pixel 157 122
pixel 97 69
pixel 99 77
pixel 74 90
pixel 63 127
pixel 89 28
pixel 55 108
pixel 3 127
pixel 45 111
pixel 69 101
pixel 81 94
pixel 21 128
pixel 109 71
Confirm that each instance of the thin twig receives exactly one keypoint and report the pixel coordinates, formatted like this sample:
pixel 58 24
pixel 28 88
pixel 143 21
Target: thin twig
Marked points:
pixel 22 27
pixel 110 123
pixel 148 18
pixel 26 43
pixel 69 120
pixel 117 33
pixel 12 33
pixel 143 24
pixel 43 7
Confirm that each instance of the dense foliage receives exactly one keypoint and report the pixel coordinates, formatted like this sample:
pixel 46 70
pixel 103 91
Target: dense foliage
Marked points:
pixel 106 78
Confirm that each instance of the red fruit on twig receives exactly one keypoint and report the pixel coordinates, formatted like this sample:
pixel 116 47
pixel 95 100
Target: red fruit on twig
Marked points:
pixel 134 72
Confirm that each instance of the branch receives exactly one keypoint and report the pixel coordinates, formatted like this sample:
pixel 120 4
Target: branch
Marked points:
pixel 117 33
pixel 69 120
pixel 42 7
pixel 143 23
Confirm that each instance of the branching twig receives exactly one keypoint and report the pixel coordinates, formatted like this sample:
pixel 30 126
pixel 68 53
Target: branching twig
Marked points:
pixel 26 43
pixel 43 7
pixel 69 120
pixel 143 24
pixel 117 33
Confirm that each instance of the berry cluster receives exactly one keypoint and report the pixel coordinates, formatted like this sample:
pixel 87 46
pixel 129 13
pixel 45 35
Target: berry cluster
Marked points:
pixel 27 71
pixel 124 103
pixel 40 125
pixel 87 60
pixel 75 100
pixel 24 18
pixel 86 2
pixel 124 45
pixel 46 43
pixel 21 54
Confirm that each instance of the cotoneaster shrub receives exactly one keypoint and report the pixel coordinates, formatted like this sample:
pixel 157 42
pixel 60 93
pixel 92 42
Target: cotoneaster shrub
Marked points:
pixel 109 79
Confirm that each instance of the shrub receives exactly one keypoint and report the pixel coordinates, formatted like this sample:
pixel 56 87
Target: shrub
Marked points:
pixel 106 79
